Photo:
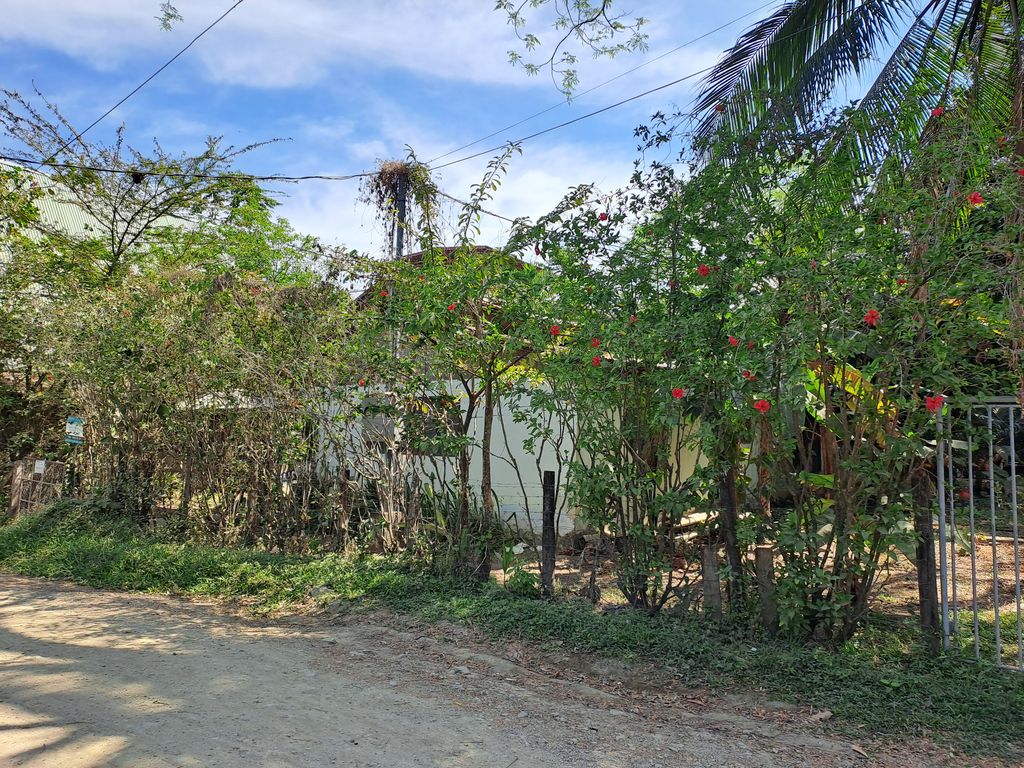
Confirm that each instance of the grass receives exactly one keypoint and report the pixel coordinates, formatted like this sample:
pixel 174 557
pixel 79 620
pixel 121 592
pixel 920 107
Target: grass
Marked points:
pixel 876 683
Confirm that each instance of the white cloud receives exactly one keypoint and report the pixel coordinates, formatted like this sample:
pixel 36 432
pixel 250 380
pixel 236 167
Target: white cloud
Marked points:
pixel 273 44
pixel 267 43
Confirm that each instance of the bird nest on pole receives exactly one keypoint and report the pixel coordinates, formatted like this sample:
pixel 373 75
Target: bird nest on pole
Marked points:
pixel 393 190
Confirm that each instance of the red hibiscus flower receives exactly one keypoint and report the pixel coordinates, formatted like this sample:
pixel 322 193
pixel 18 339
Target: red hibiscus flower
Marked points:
pixel 555 330
pixel 749 376
pixel 938 111
pixel 602 216
pixel 362 382
pixel 763 406
pixel 975 198
pixel 733 341
pixel 1020 171
pixel 934 404
pixel 872 317
pixel 595 342
pixel 452 306
pixel 383 294
pixel 678 393
pixel 703 270
pixel 596 361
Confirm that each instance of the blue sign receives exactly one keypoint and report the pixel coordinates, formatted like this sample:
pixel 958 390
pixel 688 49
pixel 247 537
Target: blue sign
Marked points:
pixel 74 430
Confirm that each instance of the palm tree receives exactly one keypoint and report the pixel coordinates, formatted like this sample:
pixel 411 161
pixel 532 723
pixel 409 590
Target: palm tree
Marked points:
pixel 966 54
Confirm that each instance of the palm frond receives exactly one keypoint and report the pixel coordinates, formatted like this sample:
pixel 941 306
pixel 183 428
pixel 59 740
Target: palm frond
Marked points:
pixel 838 36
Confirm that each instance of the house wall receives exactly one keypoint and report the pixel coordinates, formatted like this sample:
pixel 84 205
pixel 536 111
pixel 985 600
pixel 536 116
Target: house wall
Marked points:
pixel 517 465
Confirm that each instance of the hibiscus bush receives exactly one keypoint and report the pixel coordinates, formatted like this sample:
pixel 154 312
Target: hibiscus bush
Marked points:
pixel 765 343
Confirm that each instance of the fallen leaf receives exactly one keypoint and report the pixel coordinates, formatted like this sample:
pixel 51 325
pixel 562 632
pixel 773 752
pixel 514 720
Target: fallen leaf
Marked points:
pixel 858 750
pixel 819 717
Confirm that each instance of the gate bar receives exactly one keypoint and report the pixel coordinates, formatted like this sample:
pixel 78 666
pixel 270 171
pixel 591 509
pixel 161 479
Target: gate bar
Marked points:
pixel 951 489
pixel 974 553
pixel 941 479
pixel 1016 537
pixel 995 547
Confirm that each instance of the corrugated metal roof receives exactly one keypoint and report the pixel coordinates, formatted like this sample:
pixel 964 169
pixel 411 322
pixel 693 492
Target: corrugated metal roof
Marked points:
pixel 57 209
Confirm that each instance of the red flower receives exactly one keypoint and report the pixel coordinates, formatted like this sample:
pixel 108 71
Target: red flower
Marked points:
pixel 975 198
pixel 678 393
pixel 934 404
pixel 555 330
pixel 383 294
pixel 872 317
pixel 703 270
pixel 452 306
pixel 750 345
pixel 733 341
pixel 749 376
pixel 596 361
pixel 938 111
pixel 901 281
pixel 595 342
pixel 362 382
pixel 763 406
pixel 1020 171
pixel 602 216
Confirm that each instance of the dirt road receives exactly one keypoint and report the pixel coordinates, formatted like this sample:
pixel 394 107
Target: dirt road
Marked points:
pixel 91 678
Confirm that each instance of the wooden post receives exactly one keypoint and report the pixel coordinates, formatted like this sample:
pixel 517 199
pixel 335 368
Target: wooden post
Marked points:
pixel 547 558
pixel 764 570
pixel 927 589
pixel 712 584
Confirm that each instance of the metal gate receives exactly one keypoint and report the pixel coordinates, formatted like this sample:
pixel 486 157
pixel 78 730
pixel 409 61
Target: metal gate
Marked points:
pixel 980 456
pixel 35 483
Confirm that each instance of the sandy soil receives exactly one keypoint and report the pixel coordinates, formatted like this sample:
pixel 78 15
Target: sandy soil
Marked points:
pixel 91 678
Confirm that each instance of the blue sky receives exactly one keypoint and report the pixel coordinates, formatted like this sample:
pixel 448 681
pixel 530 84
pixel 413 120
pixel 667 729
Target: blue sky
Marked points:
pixel 351 83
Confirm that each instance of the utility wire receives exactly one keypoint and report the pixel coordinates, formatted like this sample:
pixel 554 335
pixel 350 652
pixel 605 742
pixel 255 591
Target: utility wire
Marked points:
pixel 648 92
pixel 185 175
pixel 607 82
pixel 146 82
pixel 364 174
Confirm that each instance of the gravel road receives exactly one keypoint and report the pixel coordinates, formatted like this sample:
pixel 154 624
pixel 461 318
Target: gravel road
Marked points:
pixel 91 678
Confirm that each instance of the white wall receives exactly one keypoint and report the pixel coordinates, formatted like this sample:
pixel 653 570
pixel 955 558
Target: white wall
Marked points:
pixel 516 473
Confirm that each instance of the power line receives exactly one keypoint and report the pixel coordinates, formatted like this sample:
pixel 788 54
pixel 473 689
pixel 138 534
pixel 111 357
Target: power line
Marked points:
pixel 580 118
pixel 146 82
pixel 607 82
pixel 364 174
pixel 186 175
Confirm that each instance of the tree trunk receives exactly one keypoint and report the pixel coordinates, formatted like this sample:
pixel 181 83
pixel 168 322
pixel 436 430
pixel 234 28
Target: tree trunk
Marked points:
pixel 729 520
pixel 486 492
